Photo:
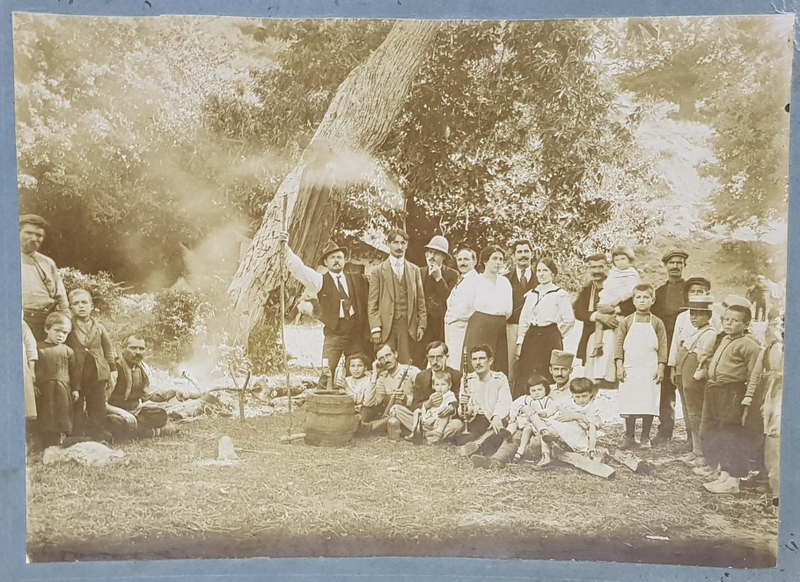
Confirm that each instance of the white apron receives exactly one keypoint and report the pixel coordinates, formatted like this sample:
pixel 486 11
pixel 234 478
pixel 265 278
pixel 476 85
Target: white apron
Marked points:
pixel 640 394
pixel 454 333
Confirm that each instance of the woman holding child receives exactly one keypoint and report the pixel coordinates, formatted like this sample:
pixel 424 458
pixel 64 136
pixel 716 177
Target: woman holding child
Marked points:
pixel 545 319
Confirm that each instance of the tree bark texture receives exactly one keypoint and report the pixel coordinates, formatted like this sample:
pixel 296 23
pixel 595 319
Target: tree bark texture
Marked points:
pixel 357 122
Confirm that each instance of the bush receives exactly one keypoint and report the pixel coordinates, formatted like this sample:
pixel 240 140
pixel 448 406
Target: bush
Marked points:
pixel 177 319
pixel 105 292
pixel 264 345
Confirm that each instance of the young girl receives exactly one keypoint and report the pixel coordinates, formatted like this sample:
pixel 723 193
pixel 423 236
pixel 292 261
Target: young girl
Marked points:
pixel 529 416
pixel 95 358
pixel 577 420
pixel 724 440
pixel 617 287
pixel 640 357
pixel 357 383
pixel 433 422
pixel 57 379
pixel 690 369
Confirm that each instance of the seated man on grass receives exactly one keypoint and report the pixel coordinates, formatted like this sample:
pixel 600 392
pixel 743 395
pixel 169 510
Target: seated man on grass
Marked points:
pixel 392 383
pixel 129 412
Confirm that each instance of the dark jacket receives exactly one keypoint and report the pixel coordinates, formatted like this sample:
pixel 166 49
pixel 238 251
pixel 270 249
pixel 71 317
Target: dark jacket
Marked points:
pixel 582 313
pixel 328 296
pixel 423 385
pixel 518 291
pixel 668 314
pixel 98 348
pixel 436 294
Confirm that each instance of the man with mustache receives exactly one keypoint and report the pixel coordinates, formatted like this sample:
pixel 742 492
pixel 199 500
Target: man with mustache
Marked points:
pixel 438 281
pixel 129 415
pixel 670 300
pixel 342 300
pixel 522 280
pixel 42 289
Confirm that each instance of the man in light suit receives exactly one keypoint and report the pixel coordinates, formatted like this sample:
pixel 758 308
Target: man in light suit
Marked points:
pixel 396 305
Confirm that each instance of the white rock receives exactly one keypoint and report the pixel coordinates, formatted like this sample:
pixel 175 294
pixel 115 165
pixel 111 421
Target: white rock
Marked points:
pixel 89 453
pixel 226 452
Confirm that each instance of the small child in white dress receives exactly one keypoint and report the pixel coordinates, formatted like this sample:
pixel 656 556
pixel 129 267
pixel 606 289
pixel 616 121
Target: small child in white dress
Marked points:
pixel 529 414
pixel 433 422
pixel 617 287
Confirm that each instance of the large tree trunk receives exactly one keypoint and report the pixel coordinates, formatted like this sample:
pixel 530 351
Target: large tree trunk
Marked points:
pixel 355 125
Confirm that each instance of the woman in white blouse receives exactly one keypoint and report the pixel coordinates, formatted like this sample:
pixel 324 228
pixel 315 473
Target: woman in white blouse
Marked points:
pixel 545 319
pixel 488 300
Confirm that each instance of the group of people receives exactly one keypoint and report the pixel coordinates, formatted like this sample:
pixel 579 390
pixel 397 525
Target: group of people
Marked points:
pixel 498 381
pixel 77 387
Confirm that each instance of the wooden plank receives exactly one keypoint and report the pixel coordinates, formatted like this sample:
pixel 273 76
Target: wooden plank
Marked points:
pixel 586 464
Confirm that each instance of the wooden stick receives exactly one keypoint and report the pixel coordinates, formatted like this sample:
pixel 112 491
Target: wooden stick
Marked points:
pixel 283 313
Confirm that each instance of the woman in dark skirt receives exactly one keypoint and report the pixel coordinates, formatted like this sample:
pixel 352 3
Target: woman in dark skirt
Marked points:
pixel 490 297
pixel 545 319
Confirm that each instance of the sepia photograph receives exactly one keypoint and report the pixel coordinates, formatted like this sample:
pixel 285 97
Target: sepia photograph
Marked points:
pixel 509 289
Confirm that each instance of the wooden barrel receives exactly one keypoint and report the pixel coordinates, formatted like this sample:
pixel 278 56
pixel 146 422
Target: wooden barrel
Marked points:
pixel 330 418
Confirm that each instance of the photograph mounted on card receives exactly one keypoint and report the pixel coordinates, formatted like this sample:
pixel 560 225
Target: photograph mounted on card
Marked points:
pixel 431 288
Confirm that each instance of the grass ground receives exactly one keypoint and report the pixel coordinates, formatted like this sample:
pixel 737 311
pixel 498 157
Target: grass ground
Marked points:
pixel 377 497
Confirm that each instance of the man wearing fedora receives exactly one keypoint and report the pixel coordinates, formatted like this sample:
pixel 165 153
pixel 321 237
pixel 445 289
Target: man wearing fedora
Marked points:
pixel 342 300
pixel 396 306
pixel 669 302
pixel 42 289
pixel 438 281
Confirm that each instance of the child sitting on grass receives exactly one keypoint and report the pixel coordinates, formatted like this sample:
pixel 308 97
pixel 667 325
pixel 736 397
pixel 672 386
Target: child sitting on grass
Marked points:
pixel 577 420
pixel 433 422
pixel 57 381
pixel 640 356
pixel 357 383
pixel 617 287
pixel 529 414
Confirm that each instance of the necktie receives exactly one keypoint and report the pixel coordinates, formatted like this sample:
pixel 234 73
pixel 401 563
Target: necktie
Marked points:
pixel 523 279
pixel 344 298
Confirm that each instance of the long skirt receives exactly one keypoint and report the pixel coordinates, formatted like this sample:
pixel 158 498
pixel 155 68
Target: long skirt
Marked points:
pixel 483 328
pixel 534 358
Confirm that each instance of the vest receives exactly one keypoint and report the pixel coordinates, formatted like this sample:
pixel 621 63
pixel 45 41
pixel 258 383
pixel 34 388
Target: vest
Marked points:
pixel 518 294
pixel 328 297
pixel 400 295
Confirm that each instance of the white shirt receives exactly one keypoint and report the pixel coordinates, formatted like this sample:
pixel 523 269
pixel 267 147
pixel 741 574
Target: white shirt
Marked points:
pixel 398 265
pixel 527 272
pixel 544 305
pixel 684 330
pixel 491 397
pixel 313 280
pixel 492 299
pixel 459 303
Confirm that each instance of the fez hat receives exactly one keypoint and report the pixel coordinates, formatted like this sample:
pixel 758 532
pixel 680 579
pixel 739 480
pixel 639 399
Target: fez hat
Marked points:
pixel 698 281
pixel 440 244
pixel 330 248
pixel 699 303
pixel 674 253
pixel 560 358
pixel 731 300
pixel 33 219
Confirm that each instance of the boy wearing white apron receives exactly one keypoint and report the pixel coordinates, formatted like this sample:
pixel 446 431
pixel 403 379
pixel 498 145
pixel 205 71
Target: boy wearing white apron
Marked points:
pixel 640 357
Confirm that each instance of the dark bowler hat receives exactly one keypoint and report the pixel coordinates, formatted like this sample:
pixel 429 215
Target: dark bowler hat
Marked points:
pixel 702 281
pixel 33 219
pixel 330 248
pixel 674 253
pixel 699 303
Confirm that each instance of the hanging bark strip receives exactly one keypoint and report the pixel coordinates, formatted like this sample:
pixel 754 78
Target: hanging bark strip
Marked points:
pixel 358 121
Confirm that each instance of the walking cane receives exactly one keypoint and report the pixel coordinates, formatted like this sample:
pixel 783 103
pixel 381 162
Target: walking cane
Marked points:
pixel 283 314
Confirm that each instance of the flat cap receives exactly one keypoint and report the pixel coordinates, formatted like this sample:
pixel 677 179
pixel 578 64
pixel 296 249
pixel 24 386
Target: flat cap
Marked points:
pixel 674 253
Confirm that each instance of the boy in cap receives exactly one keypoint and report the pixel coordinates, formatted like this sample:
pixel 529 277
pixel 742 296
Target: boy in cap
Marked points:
pixel 618 287
pixel 690 370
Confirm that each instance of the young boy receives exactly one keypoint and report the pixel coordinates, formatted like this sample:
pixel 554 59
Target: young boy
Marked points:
pixel 690 370
pixel 640 357
pixel 724 440
pixel 528 417
pixel 768 376
pixel 577 421
pixel 433 422
pixel 57 381
pixel 357 383
pixel 95 359
pixel 617 287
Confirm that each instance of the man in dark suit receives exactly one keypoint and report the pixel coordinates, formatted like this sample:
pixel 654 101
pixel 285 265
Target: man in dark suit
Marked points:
pixel 396 303
pixel 671 298
pixel 437 282
pixel 522 279
pixel 342 300
pixel 589 297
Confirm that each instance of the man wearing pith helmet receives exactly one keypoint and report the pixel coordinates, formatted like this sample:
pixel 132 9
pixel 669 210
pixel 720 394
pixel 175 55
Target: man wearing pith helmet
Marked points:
pixel 42 289
pixel 342 300
pixel 670 300
pixel 437 282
